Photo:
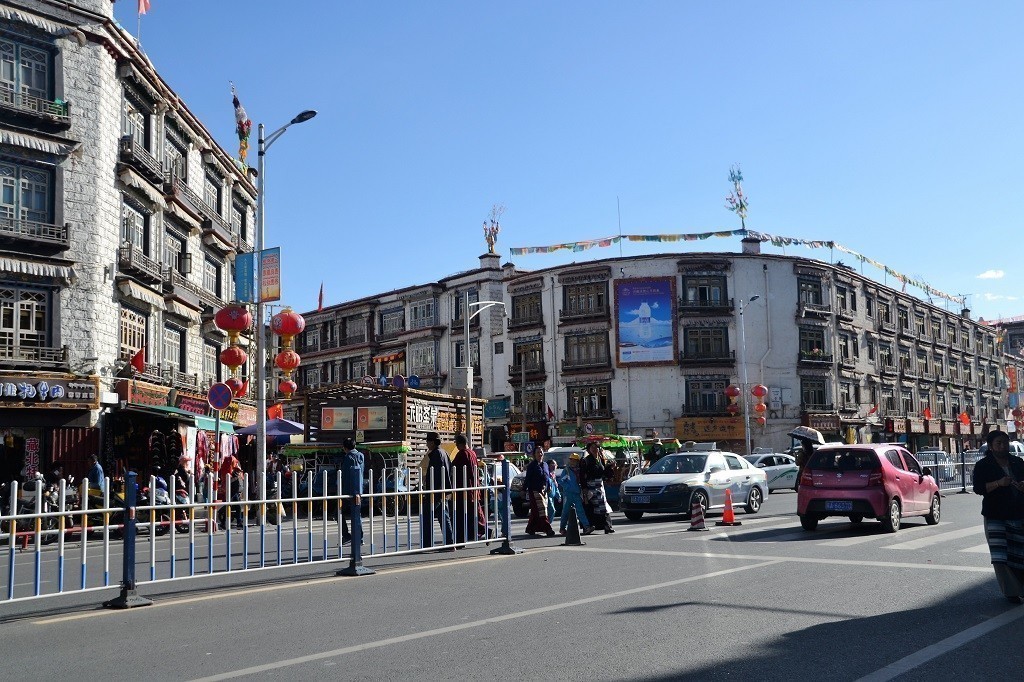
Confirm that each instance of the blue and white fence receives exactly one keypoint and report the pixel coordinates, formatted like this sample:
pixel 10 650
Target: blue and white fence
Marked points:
pixel 953 472
pixel 60 539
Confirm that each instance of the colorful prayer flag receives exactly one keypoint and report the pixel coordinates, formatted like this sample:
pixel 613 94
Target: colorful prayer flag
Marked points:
pixel 143 7
pixel 243 126
pixel 320 300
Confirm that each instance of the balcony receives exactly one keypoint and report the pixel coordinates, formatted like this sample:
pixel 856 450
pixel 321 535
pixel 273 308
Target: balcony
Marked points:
pixel 694 308
pixel 887 369
pixel 353 340
pixel 815 309
pixel 390 334
pixel 847 362
pixel 525 322
pixel 458 324
pixel 571 416
pixel 135 155
pixel 586 315
pixel 724 357
pixel 216 234
pixel 886 326
pixel 844 313
pixel 242 247
pixel 176 189
pixel 175 284
pixel 906 331
pixel 131 261
pixel 515 417
pixel 927 376
pixel 34 357
pixel 848 406
pixel 577 364
pixel 815 358
pixel 705 411
pixel 817 407
pixel 909 371
pixel 53 114
pixel 533 369
pixel 318 346
pixel 29 232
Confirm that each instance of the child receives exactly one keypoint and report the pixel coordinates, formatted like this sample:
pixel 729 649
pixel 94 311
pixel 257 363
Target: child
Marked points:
pixel 572 495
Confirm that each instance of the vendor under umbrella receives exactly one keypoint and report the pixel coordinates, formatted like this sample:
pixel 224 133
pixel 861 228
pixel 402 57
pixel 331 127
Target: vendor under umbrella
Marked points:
pixel 809 438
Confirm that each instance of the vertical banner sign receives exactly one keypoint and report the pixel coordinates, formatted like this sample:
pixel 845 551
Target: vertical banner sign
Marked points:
pixel 245 278
pixel 645 321
pixel 31 456
pixel 270 275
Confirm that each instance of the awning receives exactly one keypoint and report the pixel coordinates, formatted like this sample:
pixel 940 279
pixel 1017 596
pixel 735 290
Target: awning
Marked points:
pixel 390 356
pixel 134 180
pixel 20 266
pixel 163 411
pixel 37 143
pixel 182 310
pixel 210 423
pixel 140 293
pixel 184 216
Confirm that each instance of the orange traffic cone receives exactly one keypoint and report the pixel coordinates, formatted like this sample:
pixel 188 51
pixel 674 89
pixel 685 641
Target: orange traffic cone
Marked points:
pixel 697 517
pixel 728 517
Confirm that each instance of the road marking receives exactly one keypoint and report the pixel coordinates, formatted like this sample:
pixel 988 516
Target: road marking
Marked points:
pixel 861 539
pixel 980 549
pixel 936 538
pixel 922 656
pixel 476 624
pixel 686 529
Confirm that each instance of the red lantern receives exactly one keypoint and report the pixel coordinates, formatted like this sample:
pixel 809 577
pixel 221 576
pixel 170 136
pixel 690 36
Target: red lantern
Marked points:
pixel 233 319
pixel 760 408
pixel 1018 413
pixel 759 391
pixel 287 324
pixel 235 384
pixel 762 421
pixel 233 357
pixel 287 387
pixel 288 361
pixel 732 391
pixel 733 408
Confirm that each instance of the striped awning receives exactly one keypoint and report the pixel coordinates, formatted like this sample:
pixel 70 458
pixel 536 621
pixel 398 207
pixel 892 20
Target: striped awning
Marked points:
pixel 184 311
pixel 140 293
pixel 21 266
pixel 390 356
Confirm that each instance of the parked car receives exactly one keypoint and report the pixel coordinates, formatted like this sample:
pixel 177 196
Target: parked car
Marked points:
pixel 878 480
pixel 675 482
pixel 942 465
pixel 780 469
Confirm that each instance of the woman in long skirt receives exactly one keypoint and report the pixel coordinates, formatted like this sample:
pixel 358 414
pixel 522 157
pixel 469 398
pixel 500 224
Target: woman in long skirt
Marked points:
pixel 999 477
pixel 536 487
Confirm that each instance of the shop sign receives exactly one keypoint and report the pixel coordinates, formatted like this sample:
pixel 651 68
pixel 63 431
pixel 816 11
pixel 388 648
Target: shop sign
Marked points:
pixel 193 404
pixel 826 423
pixel 31 456
pixel 423 415
pixel 495 408
pixel 142 393
pixel 595 427
pixel 54 393
pixel 896 425
pixel 915 425
pixel 709 428
pixel 452 422
pixel 245 415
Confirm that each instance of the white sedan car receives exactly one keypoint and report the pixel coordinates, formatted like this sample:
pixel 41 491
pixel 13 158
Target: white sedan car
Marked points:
pixel 780 469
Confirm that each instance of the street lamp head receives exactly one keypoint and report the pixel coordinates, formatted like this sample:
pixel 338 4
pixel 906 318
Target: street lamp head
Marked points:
pixel 303 116
pixel 754 298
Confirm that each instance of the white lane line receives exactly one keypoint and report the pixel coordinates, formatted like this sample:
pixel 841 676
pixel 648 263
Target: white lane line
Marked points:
pixel 978 549
pixel 862 539
pixel 922 656
pixel 936 538
pixel 711 526
pixel 256 669
pixel 726 533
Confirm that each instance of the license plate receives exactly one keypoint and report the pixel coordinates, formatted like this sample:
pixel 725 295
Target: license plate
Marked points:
pixel 839 505
pixel 641 499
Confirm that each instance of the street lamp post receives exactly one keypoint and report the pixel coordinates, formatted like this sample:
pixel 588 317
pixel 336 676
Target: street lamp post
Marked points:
pixel 466 317
pixel 261 343
pixel 743 374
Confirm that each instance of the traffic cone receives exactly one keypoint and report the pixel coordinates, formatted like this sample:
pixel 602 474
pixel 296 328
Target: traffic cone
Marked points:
pixel 728 517
pixel 572 529
pixel 697 517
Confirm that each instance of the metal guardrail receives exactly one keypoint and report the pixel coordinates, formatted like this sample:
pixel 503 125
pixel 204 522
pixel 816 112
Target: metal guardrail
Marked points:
pixel 61 538
pixel 953 473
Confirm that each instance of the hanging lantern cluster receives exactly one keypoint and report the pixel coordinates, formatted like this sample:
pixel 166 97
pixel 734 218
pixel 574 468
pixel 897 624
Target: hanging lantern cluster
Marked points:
pixel 733 393
pixel 759 392
pixel 234 319
pixel 287 324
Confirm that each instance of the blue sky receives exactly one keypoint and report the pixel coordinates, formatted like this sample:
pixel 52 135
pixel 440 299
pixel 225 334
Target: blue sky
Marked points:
pixel 893 128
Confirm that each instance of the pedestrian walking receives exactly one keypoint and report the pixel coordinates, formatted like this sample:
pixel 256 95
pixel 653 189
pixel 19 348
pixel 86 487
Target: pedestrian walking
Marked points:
pixel 437 480
pixel 999 478
pixel 554 494
pixel 536 487
pixel 470 520
pixel 572 495
pixel 351 465
pixel 95 474
pixel 593 471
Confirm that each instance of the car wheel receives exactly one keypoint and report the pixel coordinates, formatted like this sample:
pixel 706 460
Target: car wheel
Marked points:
pixel 808 522
pixel 856 518
pixel 891 521
pixel 935 511
pixel 701 498
pixel 634 515
pixel 754 501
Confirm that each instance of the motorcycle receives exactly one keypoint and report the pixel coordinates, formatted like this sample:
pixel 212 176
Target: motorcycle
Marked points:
pixel 395 487
pixel 158 498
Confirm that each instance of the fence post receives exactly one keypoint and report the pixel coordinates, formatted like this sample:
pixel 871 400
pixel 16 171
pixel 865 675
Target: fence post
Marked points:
pixel 963 470
pixel 506 514
pixel 129 597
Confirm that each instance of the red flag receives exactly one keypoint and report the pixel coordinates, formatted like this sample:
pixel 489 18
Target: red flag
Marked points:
pixel 927 413
pixel 138 361
pixel 320 301
pixel 874 408
pixel 551 415
pixel 143 6
pixel 965 418
pixel 275 411
pixel 244 390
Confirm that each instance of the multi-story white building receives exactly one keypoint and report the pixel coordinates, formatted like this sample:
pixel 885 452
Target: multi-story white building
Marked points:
pixel 649 344
pixel 120 218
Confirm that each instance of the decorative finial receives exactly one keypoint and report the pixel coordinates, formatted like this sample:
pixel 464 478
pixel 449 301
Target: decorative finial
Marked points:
pixel 736 201
pixel 491 230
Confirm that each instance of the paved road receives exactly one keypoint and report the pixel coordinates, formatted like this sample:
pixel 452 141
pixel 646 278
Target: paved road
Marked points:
pixel 653 601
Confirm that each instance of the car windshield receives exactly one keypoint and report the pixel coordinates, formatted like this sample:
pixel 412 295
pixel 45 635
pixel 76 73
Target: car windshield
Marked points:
pixel 844 460
pixel 752 458
pixel 679 464
pixel 559 458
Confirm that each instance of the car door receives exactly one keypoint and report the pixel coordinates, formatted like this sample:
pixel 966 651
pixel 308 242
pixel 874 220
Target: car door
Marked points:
pixel 741 478
pixel 785 472
pixel 903 479
pixel 920 483
pixel 717 481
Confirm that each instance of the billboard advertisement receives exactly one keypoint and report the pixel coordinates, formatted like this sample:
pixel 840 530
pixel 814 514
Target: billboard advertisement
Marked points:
pixel 245 278
pixel 645 322
pixel 270 275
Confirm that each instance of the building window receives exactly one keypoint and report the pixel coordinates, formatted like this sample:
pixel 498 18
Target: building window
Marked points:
pixel 869 306
pixel 812 394
pixel 422 358
pixel 356 369
pixel 922 363
pixel 134 227
pixel 812 341
pixel 810 291
pixel 459 354
pixel 211 276
pixel 421 314
pixel 905 360
pixel 392 321
pixel 530 354
pixel 25 194
pixel 903 318
pixel 586 349
pixel 589 401
pixel 889 400
pixel 174 348
pixel 907 402
pixel 954 369
pixel 353 330
pixel 920 324
pixel 532 402
pixel 23 321
pixel 460 302
pixel 238 226
pixel 133 332
pixel 211 363
pixel 585 299
pixel 526 308
pixel 884 312
pixel 211 192
pixel 175 257
pixel 706 396
pixel 936 329
pixel 135 122
pixel 845 347
pixel 871 350
pixel 842 302
pixel 24 70
pixel 940 404
pixel 175 154
pixel 499 347
pixel 885 354
pixel 706 343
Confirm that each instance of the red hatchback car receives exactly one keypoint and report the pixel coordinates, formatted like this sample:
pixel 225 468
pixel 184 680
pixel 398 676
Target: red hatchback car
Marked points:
pixel 880 480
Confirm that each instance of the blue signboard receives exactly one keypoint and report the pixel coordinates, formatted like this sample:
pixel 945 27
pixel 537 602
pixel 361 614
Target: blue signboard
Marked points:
pixel 414 381
pixel 245 278
pixel 496 408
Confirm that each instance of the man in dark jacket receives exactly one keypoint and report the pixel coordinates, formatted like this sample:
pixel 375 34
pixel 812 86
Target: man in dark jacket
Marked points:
pixel 351 466
pixel 436 477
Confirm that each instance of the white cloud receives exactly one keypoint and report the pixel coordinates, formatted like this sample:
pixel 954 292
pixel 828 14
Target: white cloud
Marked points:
pixel 998 297
pixel 992 274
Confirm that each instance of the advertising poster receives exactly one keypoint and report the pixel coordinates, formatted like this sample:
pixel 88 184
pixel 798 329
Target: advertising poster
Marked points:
pixel 270 275
pixel 645 321
pixel 245 278
pixel 372 418
pixel 336 419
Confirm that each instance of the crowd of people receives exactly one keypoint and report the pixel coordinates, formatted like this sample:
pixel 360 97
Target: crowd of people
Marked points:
pixel 579 487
